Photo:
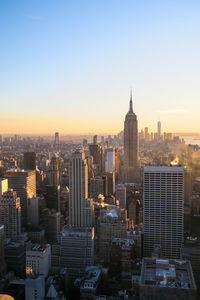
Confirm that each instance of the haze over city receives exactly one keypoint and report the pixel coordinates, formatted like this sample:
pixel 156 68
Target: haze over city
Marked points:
pixel 70 65
pixel 99 150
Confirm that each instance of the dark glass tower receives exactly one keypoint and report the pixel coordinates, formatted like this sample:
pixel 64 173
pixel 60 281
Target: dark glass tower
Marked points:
pixel 131 144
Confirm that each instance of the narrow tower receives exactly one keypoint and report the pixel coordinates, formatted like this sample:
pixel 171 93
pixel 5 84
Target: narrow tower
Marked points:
pixel 131 144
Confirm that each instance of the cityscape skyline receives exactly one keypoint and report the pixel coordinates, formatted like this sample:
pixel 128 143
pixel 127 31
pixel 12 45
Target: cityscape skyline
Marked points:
pixel 99 150
pixel 54 72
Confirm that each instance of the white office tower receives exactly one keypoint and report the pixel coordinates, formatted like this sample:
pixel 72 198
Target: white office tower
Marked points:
pixel 10 214
pixel 38 259
pixel 78 206
pixel 163 210
pixel 35 287
pixel 109 160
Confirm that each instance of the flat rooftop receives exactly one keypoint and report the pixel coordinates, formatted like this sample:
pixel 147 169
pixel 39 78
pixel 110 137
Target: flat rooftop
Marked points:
pixel 163 169
pixel 170 273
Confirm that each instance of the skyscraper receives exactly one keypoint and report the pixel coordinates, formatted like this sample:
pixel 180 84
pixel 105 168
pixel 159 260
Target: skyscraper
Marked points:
pixel 159 129
pixel 131 144
pixel 24 183
pixel 121 195
pixel 163 210
pixel 2 256
pixel 109 160
pixel 10 214
pixel 56 142
pixel 78 188
pixel 29 160
pixel 55 170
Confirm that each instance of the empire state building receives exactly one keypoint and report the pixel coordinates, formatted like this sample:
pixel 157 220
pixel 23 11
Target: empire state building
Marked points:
pixel 131 144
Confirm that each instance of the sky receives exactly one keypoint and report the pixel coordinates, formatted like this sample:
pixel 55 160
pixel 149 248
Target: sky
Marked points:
pixel 68 66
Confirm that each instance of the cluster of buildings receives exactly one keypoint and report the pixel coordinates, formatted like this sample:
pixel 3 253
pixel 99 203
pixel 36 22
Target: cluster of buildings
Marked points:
pixel 91 221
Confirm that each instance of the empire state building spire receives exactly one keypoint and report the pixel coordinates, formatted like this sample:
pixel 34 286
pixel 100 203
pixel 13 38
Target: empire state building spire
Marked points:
pixel 131 102
pixel 130 112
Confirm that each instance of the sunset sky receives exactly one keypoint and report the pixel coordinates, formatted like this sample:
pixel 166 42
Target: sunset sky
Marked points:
pixel 68 66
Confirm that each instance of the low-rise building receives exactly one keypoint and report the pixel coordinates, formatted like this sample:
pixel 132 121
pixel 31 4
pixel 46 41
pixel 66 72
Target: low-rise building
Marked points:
pixel 38 259
pixel 165 279
pixel 90 284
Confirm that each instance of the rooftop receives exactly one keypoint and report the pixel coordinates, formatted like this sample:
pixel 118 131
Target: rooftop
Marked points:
pixel 91 278
pixel 167 273
pixel 163 168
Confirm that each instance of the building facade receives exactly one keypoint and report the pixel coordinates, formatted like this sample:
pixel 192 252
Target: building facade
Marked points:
pixel 24 183
pixel 131 145
pixel 78 186
pixel 10 214
pixel 163 210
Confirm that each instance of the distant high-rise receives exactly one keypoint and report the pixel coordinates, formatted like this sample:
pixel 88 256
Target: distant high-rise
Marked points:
pixel 57 142
pixel 159 129
pixel 163 210
pixel 55 170
pixel 109 161
pixel 131 144
pixel 24 183
pixel 29 161
pixel 78 189
pixel 10 214
pixel 95 139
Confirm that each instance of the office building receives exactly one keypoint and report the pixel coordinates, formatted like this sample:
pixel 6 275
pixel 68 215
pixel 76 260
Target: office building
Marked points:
pixel 109 160
pixel 121 195
pixel 35 287
pixel 111 224
pixel 53 226
pixel 52 197
pixel 111 182
pixel 15 257
pixel 122 254
pixel 24 183
pixel 131 144
pixel 2 256
pixel 38 259
pixel 90 284
pixel 97 153
pixel 78 186
pixel 55 170
pixel 167 279
pixel 75 249
pixel 33 211
pixel 146 134
pixel 159 129
pixel 10 214
pixel 191 252
pixel 3 186
pixel 163 210
pixel 29 160
pixel 57 142
pixel 97 186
